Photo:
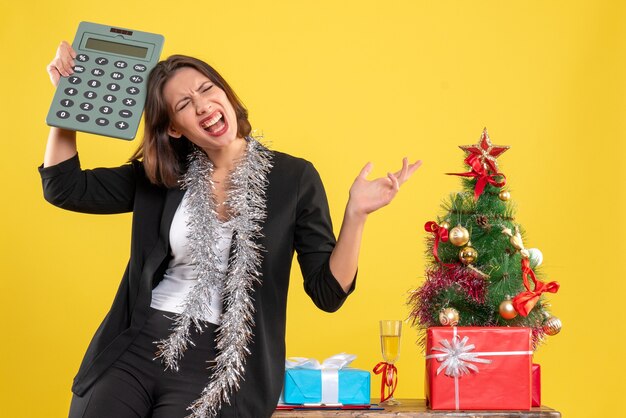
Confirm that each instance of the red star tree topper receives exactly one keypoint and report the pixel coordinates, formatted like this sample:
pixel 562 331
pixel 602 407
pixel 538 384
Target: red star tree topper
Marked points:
pixel 485 152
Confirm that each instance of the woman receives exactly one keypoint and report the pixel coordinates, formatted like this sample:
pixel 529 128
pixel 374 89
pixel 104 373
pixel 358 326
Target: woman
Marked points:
pixel 216 220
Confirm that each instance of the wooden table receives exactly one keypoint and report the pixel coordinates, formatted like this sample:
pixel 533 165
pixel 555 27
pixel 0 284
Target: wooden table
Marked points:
pixel 416 408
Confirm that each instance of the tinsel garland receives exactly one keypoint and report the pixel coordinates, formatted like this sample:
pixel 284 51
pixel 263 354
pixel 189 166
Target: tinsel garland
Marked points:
pixel 247 209
pixel 439 278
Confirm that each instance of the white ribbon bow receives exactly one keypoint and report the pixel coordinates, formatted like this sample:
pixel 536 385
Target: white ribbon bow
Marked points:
pixel 336 362
pixel 456 357
pixel 330 373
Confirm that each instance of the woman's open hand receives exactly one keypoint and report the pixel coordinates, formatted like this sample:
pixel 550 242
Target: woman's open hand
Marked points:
pixel 62 64
pixel 367 196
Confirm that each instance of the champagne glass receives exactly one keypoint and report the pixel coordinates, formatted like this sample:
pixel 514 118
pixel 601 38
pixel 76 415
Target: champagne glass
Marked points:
pixel 390 332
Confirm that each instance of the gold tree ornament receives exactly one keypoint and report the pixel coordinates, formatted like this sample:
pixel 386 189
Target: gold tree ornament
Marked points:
pixel 445 225
pixel 516 240
pixel 507 310
pixel 468 254
pixel 504 195
pixel 459 236
pixel 449 317
pixel 552 326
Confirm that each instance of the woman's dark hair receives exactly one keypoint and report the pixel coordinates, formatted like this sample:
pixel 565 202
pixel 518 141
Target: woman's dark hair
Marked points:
pixel 164 158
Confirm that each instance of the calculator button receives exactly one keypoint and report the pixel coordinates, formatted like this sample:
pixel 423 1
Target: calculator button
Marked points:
pixel 129 102
pixel 132 90
pixel 79 69
pixel 82 118
pixel 106 110
pixel 70 91
pixel 74 80
pixel 86 106
pixel 109 98
pixel 120 64
pixel 97 72
pixel 62 114
pixel 67 103
pixel 90 95
pixel 113 86
pixel 125 113
pixel 140 68
pixel 102 61
pixel 136 79
pixel 102 121
pixel 121 125
pixel 117 76
pixel 82 58
pixel 93 83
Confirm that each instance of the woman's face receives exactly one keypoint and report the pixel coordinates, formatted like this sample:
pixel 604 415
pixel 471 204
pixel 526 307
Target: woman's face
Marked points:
pixel 199 110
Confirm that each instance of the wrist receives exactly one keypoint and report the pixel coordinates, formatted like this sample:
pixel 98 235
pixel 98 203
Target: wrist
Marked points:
pixel 354 214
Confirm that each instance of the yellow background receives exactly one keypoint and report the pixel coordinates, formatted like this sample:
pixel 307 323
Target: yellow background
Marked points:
pixel 342 83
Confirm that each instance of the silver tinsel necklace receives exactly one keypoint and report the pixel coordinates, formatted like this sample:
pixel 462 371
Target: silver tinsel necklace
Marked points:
pixel 247 207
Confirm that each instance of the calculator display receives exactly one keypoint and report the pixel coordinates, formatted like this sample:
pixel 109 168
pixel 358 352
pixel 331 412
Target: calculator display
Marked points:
pixel 116 48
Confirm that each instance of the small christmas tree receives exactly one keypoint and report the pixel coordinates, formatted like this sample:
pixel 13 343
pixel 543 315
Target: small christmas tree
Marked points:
pixel 481 274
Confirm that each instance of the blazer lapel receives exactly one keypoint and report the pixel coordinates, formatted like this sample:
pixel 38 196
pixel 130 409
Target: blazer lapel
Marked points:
pixel 172 201
pixel 173 198
pixel 158 253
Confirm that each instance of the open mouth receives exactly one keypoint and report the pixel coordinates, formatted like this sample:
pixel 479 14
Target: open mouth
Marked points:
pixel 215 124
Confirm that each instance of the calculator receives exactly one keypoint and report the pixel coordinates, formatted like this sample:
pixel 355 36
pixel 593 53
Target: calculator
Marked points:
pixel 107 92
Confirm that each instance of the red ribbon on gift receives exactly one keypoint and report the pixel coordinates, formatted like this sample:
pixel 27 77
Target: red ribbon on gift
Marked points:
pixel 441 234
pixel 526 301
pixel 389 379
pixel 482 173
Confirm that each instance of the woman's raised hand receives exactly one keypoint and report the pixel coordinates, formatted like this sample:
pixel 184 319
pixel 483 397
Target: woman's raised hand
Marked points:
pixel 62 64
pixel 61 142
pixel 367 196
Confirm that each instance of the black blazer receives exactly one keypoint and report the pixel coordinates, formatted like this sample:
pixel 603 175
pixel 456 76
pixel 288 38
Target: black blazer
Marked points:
pixel 297 219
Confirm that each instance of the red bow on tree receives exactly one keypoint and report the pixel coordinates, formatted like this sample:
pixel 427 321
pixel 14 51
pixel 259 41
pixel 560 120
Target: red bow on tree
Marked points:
pixel 441 234
pixel 480 171
pixel 389 379
pixel 526 301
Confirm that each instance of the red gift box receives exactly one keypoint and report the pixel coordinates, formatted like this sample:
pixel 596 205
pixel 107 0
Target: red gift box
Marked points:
pixel 477 368
pixel 536 384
